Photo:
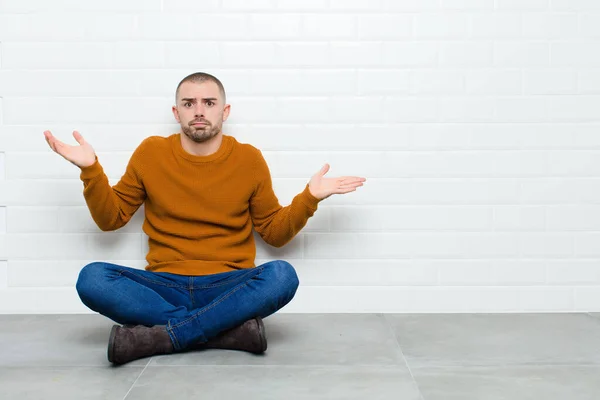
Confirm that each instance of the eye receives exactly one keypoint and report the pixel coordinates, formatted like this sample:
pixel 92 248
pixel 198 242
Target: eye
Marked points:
pixel 210 103
pixel 187 105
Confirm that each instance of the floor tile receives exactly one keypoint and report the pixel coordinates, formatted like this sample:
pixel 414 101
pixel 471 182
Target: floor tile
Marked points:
pixel 514 383
pixel 77 383
pixel 497 339
pixel 276 383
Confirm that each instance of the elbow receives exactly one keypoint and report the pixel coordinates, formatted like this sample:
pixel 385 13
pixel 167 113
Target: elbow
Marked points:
pixel 108 226
pixel 276 242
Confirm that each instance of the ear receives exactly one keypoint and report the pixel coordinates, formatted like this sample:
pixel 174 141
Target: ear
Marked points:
pixel 176 113
pixel 226 110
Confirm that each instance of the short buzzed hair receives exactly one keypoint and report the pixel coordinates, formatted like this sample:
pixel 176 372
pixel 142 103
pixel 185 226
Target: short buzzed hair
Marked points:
pixel 199 77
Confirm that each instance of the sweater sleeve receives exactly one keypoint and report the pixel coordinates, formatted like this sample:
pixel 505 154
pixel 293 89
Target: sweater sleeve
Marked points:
pixel 112 207
pixel 278 225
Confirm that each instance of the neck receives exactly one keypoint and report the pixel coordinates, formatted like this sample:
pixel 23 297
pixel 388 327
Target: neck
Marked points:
pixel 201 149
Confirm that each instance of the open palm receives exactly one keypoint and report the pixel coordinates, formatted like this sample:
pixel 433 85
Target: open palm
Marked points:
pixel 322 187
pixel 82 155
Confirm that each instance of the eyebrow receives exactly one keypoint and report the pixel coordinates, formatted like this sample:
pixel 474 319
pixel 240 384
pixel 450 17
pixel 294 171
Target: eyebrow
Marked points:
pixel 204 99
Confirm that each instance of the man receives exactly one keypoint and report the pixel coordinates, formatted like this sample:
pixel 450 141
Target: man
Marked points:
pixel 203 193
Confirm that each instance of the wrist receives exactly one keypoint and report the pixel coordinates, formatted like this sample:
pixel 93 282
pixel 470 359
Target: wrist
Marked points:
pixel 311 193
pixel 88 163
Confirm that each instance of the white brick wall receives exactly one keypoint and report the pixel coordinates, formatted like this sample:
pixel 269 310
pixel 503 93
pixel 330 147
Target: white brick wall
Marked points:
pixel 476 123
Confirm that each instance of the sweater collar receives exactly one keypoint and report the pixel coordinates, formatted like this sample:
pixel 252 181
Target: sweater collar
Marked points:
pixel 223 151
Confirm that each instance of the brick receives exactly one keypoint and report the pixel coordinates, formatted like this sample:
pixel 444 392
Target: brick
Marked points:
pixel 386 27
pixel 329 26
pixel 441 26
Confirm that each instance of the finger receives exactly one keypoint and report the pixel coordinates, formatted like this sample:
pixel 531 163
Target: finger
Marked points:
pixel 78 138
pixel 351 181
pixel 352 178
pixel 324 169
pixel 50 142
pixel 48 136
pixel 50 145
pixel 60 147
pixel 351 186
pixel 57 144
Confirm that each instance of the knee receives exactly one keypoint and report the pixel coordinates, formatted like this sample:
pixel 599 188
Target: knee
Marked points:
pixel 284 275
pixel 89 277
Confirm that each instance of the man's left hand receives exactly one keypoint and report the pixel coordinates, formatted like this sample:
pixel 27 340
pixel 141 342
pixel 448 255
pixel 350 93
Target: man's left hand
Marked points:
pixel 322 187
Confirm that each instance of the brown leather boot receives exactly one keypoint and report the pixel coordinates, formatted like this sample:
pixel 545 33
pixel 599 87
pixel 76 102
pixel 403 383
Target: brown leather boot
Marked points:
pixel 249 336
pixel 128 344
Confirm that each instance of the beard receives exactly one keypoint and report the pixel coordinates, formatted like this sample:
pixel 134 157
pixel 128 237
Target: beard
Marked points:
pixel 201 134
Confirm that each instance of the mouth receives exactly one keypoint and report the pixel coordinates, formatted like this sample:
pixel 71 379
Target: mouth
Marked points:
pixel 199 123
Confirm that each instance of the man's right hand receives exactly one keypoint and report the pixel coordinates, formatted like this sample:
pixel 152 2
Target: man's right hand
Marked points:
pixel 82 155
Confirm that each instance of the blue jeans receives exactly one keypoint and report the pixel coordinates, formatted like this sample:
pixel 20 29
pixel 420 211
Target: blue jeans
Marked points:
pixel 193 308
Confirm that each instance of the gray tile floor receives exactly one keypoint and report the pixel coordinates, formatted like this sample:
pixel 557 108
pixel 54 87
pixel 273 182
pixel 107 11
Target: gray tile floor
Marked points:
pixel 318 356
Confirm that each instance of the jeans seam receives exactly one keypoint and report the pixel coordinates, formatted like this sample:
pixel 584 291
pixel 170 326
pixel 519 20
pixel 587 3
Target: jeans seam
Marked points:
pixel 173 335
pixel 122 272
pixel 191 290
pixel 211 306
pixel 226 282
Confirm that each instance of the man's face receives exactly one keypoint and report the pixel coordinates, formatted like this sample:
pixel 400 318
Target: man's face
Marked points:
pixel 200 110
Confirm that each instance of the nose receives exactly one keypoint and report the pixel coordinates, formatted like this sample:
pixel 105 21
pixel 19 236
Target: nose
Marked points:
pixel 199 111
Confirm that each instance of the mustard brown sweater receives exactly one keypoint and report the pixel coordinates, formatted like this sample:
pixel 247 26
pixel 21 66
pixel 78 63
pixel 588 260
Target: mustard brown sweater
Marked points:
pixel 199 210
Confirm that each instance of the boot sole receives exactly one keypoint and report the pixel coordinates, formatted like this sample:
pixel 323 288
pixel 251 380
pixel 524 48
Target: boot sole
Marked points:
pixel 262 334
pixel 111 344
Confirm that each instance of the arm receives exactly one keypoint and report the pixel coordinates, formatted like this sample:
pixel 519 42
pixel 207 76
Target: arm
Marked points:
pixel 278 225
pixel 111 208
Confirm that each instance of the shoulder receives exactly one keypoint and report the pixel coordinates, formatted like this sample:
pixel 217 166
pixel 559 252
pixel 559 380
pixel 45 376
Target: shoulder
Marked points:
pixel 150 148
pixel 154 144
pixel 247 150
